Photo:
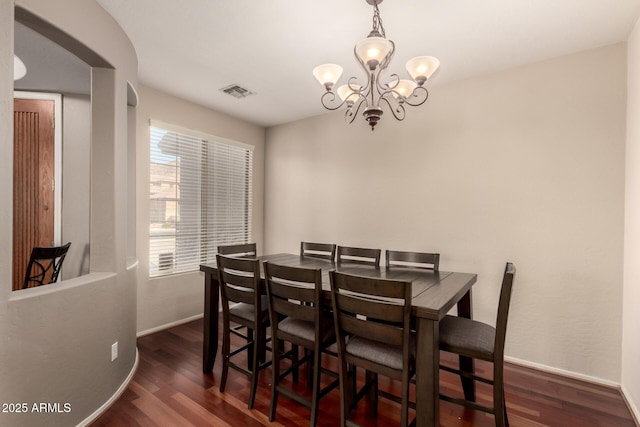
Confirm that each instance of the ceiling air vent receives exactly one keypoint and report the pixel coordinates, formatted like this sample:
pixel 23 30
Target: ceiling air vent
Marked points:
pixel 236 91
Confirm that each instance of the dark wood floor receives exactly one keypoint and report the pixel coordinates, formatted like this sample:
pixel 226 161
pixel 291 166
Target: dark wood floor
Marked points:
pixel 169 389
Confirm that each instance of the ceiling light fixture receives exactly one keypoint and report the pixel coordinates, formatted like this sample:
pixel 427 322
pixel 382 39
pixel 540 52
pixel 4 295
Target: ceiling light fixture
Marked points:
pixel 374 55
pixel 19 69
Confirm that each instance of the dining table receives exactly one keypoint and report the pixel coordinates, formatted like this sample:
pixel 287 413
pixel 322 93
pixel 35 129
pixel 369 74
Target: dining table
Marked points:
pixel 434 294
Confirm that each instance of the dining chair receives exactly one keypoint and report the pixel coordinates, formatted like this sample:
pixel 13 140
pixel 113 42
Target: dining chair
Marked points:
pixel 44 265
pixel 243 250
pixel 358 255
pixel 242 304
pixel 318 250
pixel 478 340
pixel 430 261
pixel 299 317
pixel 372 321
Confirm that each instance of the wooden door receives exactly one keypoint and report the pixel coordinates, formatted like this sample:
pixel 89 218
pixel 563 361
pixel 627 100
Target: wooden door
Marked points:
pixel 33 181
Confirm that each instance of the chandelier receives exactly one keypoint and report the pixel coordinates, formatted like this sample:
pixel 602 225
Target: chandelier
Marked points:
pixel 374 55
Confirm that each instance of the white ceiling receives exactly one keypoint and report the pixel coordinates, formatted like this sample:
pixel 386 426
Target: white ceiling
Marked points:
pixel 194 48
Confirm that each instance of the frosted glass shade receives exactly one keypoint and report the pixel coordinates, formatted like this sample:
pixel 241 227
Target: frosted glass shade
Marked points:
pixel 346 93
pixel 19 69
pixel 373 50
pixel 327 74
pixel 422 67
pixel 404 88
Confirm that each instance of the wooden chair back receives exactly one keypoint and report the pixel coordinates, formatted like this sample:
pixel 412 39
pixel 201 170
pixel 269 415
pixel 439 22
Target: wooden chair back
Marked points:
pixel 243 250
pixel 430 261
pixel 44 265
pixel 239 280
pixel 374 309
pixel 318 250
pixel 359 255
pixel 295 293
pixel 503 311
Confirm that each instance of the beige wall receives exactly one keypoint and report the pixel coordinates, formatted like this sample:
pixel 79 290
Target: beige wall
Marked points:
pixel 631 292
pixel 525 165
pixel 163 301
pixel 56 340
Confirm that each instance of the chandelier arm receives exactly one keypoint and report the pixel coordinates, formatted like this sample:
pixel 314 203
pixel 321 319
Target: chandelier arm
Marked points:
pixel 397 111
pixel 418 96
pixel 356 110
pixel 329 98
pixel 351 113
pixel 389 87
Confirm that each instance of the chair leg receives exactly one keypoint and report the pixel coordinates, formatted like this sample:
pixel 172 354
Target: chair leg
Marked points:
pixel 226 343
pixel 254 371
pixel 371 382
pixel 275 379
pixel 468 385
pixel 499 403
pixel 315 394
pixel 250 350
pixel 347 391
pixel 404 406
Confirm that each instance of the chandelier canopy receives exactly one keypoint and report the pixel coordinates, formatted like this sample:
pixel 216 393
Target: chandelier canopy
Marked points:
pixel 374 54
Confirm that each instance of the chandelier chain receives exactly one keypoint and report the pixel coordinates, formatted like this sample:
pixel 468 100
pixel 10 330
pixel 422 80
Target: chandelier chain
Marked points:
pixel 377 20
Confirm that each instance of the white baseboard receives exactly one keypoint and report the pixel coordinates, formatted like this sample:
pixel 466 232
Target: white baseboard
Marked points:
pixel 169 325
pixel 562 372
pixel 91 418
pixel 631 405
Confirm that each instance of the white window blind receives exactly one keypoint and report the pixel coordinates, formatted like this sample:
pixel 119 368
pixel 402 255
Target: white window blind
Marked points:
pixel 200 198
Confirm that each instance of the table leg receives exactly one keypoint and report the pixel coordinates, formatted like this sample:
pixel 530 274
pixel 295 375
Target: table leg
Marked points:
pixel 465 309
pixel 427 373
pixel 211 304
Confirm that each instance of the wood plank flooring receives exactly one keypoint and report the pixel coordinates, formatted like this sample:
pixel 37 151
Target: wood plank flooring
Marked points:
pixel 170 389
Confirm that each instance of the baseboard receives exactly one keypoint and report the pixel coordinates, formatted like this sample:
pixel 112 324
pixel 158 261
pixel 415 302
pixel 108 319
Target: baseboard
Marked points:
pixel 562 372
pixel 169 325
pixel 91 418
pixel 631 405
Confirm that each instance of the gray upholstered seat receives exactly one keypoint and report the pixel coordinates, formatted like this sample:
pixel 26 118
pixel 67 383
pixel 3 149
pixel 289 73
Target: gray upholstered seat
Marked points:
pixel 248 311
pixel 306 330
pixel 465 336
pixel 379 352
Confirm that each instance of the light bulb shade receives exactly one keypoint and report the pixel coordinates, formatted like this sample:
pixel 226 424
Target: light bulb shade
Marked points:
pixel 19 69
pixel 422 67
pixel 348 94
pixel 327 74
pixel 404 88
pixel 373 50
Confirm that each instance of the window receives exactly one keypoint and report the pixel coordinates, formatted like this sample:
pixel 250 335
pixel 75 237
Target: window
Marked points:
pixel 199 198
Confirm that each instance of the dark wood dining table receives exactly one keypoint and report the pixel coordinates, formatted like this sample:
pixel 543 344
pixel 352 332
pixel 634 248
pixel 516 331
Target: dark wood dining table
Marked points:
pixel 434 295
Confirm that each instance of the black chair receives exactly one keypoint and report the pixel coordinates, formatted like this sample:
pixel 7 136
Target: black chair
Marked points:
pixel 318 250
pixel 298 317
pixel 243 304
pixel 358 255
pixel 372 320
pixel 44 265
pixel 478 340
pixel 243 250
pixel 430 261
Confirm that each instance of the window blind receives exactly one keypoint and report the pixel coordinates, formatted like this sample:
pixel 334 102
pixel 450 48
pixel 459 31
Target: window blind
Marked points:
pixel 200 191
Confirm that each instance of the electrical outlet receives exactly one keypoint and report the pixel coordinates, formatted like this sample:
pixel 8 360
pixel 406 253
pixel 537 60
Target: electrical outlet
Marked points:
pixel 114 351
